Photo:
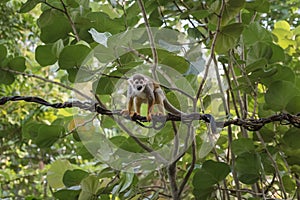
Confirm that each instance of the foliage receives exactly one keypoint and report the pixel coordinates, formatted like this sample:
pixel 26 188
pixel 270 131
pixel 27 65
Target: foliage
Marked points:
pixel 85 48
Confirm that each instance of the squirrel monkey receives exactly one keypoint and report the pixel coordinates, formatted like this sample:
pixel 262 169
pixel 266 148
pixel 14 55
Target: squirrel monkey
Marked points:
pixel 142 89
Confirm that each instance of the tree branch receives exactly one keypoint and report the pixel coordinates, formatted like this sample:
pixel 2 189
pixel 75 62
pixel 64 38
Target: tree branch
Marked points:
pixel 249 124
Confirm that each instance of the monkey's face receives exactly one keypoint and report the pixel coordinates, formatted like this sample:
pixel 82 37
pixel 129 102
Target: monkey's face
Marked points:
pixel 138 84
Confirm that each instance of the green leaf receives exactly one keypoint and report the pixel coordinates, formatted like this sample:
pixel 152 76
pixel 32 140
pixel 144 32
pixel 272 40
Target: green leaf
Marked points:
pixel 17 64
pixel 258 51
pixel 6 78
pixel 293 105
pixel 105 85
pixel 127 144
pixel 73 56
pixel 48 135
pixel 80 75
pixel 248 167
pixel 29 5
pixel 89 186
pixel 232 7
pixel 281 73
pixel 128 181
pixel 54 26
pixel 3 52
pixel 74 177
pixel 228 36
pixel 44 55
pixel 56 172
pixel 279 94
pixel 30 129
pixel 277 54
pixel 211 173
pixel 292 138
pixel 242 145
pixel 288 183
pixel 284 25
pixel 67 194
pixel 255 33
pixel 262 6
pixel 104 54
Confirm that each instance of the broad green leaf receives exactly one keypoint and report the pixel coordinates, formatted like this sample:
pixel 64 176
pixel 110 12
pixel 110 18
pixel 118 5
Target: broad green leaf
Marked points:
pixel 258 51
pixel 262 6
pixel 17 64
pixel 282 25
pixel 44 55
pixel 29 5
pixel 54 26
pixel 74 177
pixel 232 7
pixel 48 135
pixel 293 105
pixel 73 3
pixel 277 54
pixel 227 37
pixel 80 75
pixel 104 54
pixel 168 59
pixel 242 145
pixel 3 52
pixel 103 23
pixel 6 78
pixel 210 173
pixel 105 85
pixel 255 33
pixel 279 94
pixel 127 144
pixel 89 187
pixel 128 181
pixel 203 193
pixel 248 167
pixel 67 194
pixel 280 73
pixel 292 138
pixel 288 183
pixel 30 130
pixel 73 56
pixel 56 172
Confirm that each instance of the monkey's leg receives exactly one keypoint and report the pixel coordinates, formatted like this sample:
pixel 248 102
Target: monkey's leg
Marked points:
pixel 150 110
pixel 138 104
pixel 129 110
pixel 159 98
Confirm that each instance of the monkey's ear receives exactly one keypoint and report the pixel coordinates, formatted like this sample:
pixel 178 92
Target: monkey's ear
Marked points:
pixel 130 81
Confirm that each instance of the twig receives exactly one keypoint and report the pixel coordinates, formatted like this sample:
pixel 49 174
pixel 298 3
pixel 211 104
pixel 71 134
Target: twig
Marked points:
pixel 49 81
pixel 190 170
pixel 71 21
pixel 212 50
pixel 273 163
pixel 151 40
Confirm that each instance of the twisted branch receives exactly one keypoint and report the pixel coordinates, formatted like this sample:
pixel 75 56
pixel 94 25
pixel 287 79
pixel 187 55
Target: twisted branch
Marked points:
pixel 249 124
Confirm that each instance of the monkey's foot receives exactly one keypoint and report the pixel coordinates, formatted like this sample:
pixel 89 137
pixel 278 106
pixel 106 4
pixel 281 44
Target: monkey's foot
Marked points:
pixel 127 112
pixel 149 118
